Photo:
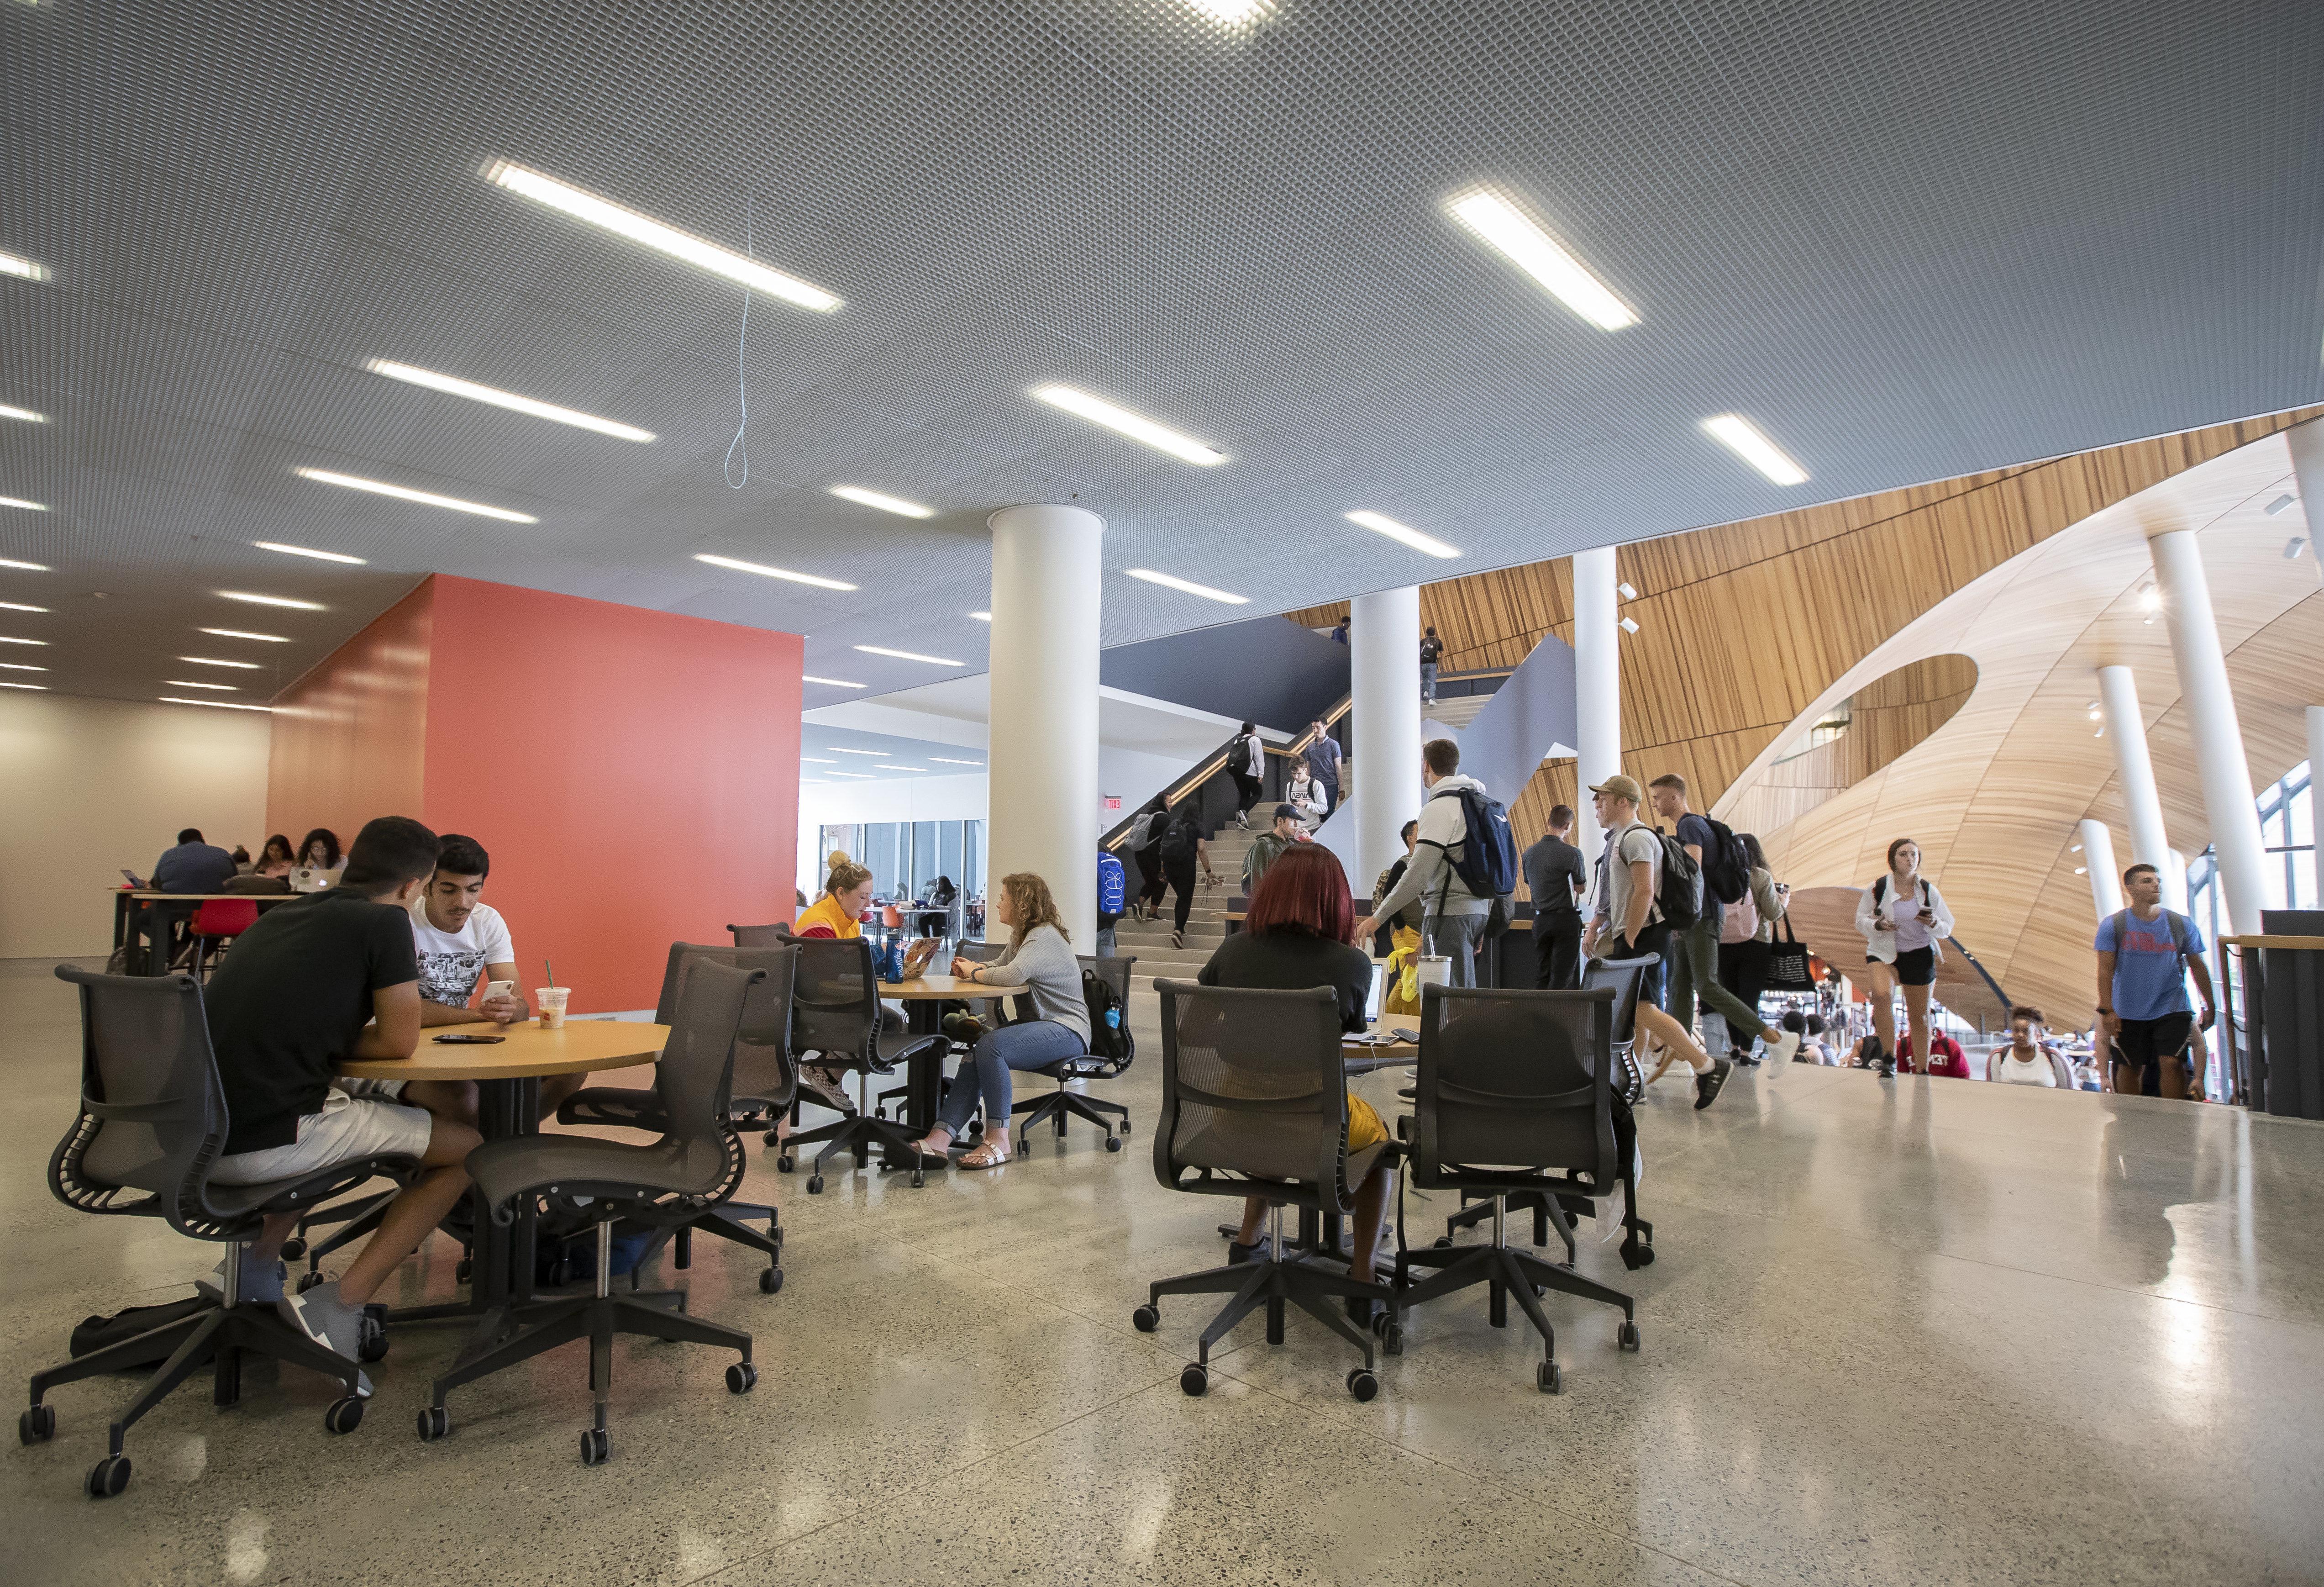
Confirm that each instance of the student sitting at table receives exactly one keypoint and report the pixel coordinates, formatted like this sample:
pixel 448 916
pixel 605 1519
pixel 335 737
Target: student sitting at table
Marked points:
pixel 1039 962
pixel 193 866
pixel 319 861
pixel 846 894
pixel 315 982
pixel 1295 935
pixel 276 858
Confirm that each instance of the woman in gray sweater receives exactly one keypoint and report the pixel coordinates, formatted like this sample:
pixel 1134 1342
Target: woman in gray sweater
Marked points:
pixel 1039 962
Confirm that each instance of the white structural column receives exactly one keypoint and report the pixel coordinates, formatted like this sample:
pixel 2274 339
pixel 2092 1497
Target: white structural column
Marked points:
pixel 2126 729
pixel 1597 688
pixel 1041 760
pixel 2211 708
pixel 1384 698
pixel 2315 769
pixel 2097 859
pixel 2306 442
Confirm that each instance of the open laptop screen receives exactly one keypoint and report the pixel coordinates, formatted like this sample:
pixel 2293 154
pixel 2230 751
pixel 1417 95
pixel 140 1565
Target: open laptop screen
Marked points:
pixel 1378 990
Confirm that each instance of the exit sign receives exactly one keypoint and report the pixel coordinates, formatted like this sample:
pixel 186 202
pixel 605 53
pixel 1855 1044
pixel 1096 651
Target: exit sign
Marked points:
pixel 1112 803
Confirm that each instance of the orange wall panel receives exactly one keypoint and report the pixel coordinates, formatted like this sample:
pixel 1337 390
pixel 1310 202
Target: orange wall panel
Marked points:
pixel 349 735
pixel 634 775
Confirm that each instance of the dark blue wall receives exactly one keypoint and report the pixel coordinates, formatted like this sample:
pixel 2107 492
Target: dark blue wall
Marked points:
pixel 1268 670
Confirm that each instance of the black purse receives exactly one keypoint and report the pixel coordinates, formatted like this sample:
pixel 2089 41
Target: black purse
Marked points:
pixel 1787 963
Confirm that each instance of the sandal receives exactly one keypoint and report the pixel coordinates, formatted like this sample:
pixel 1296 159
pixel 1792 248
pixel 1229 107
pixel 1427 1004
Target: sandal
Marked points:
pixel 990 1155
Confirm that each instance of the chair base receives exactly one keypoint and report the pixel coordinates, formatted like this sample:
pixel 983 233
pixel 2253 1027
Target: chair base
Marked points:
pixel 1276 1285
pixel 726 1220
pixel 1508 1272
pixel 1032 1112
pixel 1539 1202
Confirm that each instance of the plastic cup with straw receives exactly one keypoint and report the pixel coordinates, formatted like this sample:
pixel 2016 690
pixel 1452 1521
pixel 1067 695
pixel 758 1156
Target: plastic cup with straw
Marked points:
pixel 550 1000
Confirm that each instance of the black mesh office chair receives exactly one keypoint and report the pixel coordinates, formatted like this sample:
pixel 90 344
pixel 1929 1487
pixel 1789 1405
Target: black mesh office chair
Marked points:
pixel 1515 1095
pixel 759 937
pixel 1624 978
pixel 153 1119
pixel 835 1015
pixel 694 1166
pixel 764 1081
pixel 987 1008
pixel 1254 1103
pixel 1115 972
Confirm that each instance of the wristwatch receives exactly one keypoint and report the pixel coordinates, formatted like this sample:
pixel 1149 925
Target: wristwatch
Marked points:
pixel 2108 1012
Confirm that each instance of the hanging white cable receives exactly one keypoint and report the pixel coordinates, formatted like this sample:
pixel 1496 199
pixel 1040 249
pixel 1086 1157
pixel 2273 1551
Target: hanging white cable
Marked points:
pixel 743 370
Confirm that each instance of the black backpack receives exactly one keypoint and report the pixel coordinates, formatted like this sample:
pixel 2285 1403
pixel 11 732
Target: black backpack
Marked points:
pixel 1726 864
pixel 1678 893
pixel 1108 1021
pixel 1178 842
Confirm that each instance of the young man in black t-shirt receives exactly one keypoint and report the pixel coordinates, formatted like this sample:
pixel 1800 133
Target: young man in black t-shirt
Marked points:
pixel 329 977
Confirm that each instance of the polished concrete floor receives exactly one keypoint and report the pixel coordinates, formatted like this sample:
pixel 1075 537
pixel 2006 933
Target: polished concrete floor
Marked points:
pixel 1908 1331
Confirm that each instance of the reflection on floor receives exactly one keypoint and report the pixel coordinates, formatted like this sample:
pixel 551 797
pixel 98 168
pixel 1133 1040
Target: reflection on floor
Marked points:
pixel 1913 1332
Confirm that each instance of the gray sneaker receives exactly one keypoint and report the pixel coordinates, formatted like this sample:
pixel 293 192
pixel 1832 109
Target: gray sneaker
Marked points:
pixel 260 1283
pixel 334 1324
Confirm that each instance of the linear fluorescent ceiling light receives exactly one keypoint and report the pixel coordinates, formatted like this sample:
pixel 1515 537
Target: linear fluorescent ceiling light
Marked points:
pixel 1232 13
pixel 817 761
pixel 22 666
pixel 866 776
pixel 1381 523
pixel 653 234
pixel 7 638
pixel 883 766
pixel 836 750
pixel 1743 437
pixel 10 264
pixel 26 414
pixel 1136 427
pixel 20 502
pixel 948 760
pixel 896 505
pixel 763 571
pixel 909 656
pixel 19 606
pixel 1540 256
pixel 215 661
pixel 5 684
pixel 192 683
pixel 981 616
pixel 308 551
pixel 425 498
pixel 244 595
pixel 271 639
pixel 221 705
pixel 453 385
pixel 23 567
pixel 833 682
pixel 1187 585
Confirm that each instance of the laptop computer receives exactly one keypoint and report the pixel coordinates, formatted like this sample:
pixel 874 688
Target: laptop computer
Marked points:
pixel 1377 994
pixel 131 877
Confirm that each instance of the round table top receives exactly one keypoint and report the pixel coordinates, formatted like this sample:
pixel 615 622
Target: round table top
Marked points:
pixel 581 1046
pixel 923 989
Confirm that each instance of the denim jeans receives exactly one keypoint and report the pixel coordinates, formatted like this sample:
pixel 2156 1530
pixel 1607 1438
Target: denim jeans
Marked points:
pixel 1034 1044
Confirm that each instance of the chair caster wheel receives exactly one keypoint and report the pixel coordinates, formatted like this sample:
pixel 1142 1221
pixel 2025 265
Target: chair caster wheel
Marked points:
pixel 740 1378
pixel 771 1138
pixel 1548 1378
pixel 108 1477
pixel 293 1249
pixel 307 1281
pixel 1628 1336
pixel 594 1452
pixel 770 1280
pixel 344 1415
pixel 435 1422
pixel 785 1163
pixel 1444 1243
pixel 1145 1319
pixel 37 1426
pixel 466 1271
pixel 1125 1126
pixel 1392 1339
pixel 1363 1384
pixel 371 1343
pixel 1113 1143
pixel 1195 1380
pixel 814 1184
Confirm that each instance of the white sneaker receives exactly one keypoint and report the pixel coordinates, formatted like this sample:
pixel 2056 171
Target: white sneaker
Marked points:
pixel 1781 1049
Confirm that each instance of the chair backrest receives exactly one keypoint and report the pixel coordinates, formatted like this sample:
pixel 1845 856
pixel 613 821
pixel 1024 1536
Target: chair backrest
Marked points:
pixel 694 1080
pixel 2059 1067
pixel 764 1069
pixel 1111 970
pixel 1513 1086
pixel 153 1114
pixel 835 999
pixel 757 937
pixel 1252 1088
pixel 225 916
pixel 1624 978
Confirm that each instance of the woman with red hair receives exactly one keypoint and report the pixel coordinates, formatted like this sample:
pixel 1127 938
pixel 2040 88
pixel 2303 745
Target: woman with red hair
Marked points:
pixel 1297 935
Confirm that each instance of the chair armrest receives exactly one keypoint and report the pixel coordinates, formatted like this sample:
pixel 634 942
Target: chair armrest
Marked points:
pixel 613 1106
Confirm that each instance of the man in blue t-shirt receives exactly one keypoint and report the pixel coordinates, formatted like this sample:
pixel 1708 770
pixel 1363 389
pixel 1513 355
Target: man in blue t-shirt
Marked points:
pixel 2146 953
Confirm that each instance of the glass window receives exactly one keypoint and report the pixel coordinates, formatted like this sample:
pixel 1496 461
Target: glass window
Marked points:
pixel 948 851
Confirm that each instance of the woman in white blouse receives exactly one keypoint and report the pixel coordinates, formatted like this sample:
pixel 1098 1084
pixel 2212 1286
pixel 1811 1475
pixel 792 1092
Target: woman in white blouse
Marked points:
pixel 1903 920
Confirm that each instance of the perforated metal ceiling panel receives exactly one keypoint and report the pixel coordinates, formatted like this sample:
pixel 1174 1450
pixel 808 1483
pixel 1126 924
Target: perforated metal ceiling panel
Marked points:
pixel 1909 241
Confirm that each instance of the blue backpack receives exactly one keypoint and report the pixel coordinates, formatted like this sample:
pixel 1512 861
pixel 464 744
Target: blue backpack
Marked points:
pixel 1487 864
pixel 1112 886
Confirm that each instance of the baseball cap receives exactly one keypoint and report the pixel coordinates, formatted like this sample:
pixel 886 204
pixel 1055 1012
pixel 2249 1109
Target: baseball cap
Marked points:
pixel 1619 787
pixel 1286 812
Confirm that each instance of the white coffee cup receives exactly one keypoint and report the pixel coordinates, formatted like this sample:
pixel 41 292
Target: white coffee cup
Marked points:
pixel 1435 970
pixel 551 1001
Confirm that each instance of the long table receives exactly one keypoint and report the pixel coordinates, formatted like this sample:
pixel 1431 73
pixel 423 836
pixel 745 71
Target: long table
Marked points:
pixel 143 919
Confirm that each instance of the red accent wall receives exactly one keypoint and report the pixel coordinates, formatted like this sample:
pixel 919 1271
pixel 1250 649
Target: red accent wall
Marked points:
pixel 350 732
pixel 634 774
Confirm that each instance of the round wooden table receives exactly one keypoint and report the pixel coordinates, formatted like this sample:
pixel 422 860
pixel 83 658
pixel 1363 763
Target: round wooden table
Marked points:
pixel 507 1075
pixel 924 997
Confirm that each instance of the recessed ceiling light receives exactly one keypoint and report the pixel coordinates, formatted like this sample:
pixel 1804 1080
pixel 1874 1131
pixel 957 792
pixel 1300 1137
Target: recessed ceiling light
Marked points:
pixel 1629 625
pixel 2280 504
pixel 10 264
pixel 1136 427
pixel 191 683
pixel 1187 585
pixel 866 776
pixel 453 385
pixel 909 656
pixel 1539 255
pixel 246 596
pixel 306 551
pixel 26 414
pixel 1232 13
pixel 1628 591
pixel 1743 437
pixel 763 571
pixel 5 684
pixel 1381 523
pixel 215 662
pixel 833 682
pixel 425 498
pixel 2150 599
pixel 2292 546
pixel 817 761
pixel 653 234
pixel 2082 870
pixel 221 705
pixel 896 505
pixel 948 760
pixel 22 666
pixel 981 616
pixel 11 639
pixel 271 639
pixel 885 767
pixel 20 502
pixel 23 567
pixel 19 606
pixel 836 750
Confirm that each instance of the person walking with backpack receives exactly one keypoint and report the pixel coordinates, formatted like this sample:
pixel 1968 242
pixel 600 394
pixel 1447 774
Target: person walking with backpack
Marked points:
pixel 1182 848
pixel 1112 902
pixel 1725 868
pixel 2146 953
pixel 1430 647
pixel 1747 936
pixel 1459 867
pixel 1145 846
pixel 1246 764
pixel 1903 920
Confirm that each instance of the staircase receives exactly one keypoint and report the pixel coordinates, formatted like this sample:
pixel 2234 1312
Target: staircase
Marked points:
pixel 1206 925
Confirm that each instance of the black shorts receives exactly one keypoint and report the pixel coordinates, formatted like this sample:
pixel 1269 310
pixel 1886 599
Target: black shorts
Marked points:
pixel 2146 1043
pixel 1914 966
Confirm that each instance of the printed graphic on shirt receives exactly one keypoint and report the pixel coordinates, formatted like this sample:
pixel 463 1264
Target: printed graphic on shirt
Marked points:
pixel 450 963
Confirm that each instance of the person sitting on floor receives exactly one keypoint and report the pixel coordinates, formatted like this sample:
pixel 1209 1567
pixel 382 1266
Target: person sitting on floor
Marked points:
pixel 323 979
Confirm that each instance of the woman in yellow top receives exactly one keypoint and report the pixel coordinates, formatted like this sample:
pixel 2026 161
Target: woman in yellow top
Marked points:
pixel 846 894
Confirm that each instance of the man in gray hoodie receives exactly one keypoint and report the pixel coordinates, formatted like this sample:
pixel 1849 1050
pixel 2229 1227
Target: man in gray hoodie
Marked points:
pixel 1453 919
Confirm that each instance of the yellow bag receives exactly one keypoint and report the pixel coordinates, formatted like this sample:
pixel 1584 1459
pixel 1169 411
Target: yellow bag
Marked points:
pixel 1404 973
